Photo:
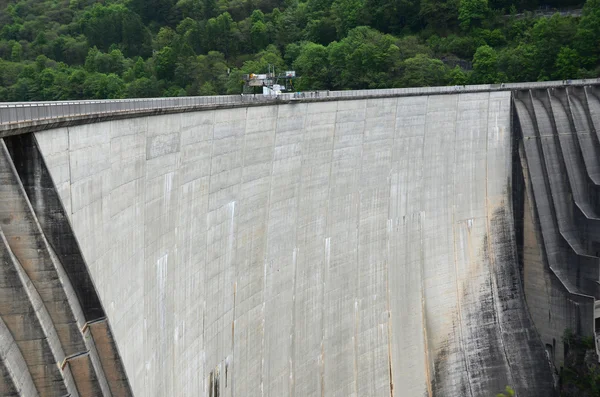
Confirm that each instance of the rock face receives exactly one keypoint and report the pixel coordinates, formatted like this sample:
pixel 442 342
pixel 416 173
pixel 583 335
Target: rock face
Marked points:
pixel 340 248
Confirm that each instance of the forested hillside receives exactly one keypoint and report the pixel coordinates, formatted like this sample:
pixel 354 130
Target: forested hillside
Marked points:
pixel 75 49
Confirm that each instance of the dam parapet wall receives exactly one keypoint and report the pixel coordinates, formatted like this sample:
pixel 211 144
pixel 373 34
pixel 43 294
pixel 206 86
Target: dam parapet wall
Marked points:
pixel 22 117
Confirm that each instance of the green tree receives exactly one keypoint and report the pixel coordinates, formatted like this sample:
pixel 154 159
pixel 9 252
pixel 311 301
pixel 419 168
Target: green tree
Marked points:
pixel 457 76
pixel 347 14
pixel 588 31
pixel 257 16
pixel 189 9
pixel 315 6
pixel 439 14
pixel 135 37
pixel 548 36
pixel 208 8
pixel 41 62
pixel 143 88
pixel 76 83
pixel 11 31
pixel 165 63
pixel 519 63
pixel 139 69
pixel 313 66
pixel 485 66
pixel 220 34
pixel 45 82
pixel 472 13
pixel 411 46
pixel 494 38
pixel 25 89
pixel 153 10
pixel 259 35
pixel 321 31
pixel 136 70
pixel 115 24
pixel 260 63
pixel 208 88
pixel 102 86
pixel 190 32
pixel 423 71
pixel 235 82
pixel 288 25
pixel 16 52
pixel 364 59
pixel 3 94
pixel 461 46
pixel 567 64
pixel 173 91
pixel 195 72
pixel 74 50
pixel 166 37
pixel 97 61
pixel 391 16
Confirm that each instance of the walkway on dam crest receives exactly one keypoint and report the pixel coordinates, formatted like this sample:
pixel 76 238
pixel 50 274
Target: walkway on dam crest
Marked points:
pixel 20 117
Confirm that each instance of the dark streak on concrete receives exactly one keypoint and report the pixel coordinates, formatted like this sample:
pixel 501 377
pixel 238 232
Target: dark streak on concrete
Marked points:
pixel 213 384
pixel 517 344
pixel 532 375
pixel 52 217
pixel 7 386
pixel 40 192
pixel 517 190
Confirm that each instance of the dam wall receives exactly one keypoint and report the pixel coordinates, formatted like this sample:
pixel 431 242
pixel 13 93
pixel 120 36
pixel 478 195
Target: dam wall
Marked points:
pixel 559 149
pixel 343 248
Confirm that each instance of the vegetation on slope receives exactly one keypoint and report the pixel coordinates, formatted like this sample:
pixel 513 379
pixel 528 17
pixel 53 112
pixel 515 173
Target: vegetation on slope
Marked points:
pixel 74 49
pixel 580 375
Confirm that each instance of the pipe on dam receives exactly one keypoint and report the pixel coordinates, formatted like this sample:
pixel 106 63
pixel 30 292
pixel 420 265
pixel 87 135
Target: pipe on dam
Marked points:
pixel 343 248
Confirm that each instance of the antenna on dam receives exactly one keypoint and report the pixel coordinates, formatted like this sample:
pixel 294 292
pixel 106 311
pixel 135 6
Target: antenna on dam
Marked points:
pixel 272 84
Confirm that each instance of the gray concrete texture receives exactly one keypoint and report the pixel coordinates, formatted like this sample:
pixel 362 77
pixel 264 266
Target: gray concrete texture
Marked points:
pixel 559 152
pixel 49 345
pixel 350 248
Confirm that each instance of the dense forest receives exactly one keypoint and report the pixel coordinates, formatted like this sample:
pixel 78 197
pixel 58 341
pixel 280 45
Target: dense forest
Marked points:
pixel 75 49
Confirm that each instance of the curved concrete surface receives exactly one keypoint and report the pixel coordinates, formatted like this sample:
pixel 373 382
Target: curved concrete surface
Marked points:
pixel 561 226
pixel 351 248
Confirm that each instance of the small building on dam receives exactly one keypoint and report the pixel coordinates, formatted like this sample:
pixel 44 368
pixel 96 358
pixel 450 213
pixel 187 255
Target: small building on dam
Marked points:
pixel 387 243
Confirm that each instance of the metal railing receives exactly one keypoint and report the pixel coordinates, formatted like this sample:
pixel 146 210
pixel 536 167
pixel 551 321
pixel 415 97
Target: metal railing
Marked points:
pixel 21 112
pixel 12 114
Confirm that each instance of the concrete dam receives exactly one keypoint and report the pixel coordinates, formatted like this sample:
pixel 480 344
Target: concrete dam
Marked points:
pixel 407 242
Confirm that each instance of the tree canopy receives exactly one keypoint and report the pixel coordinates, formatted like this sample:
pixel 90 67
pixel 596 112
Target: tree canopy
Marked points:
pixel 75 49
